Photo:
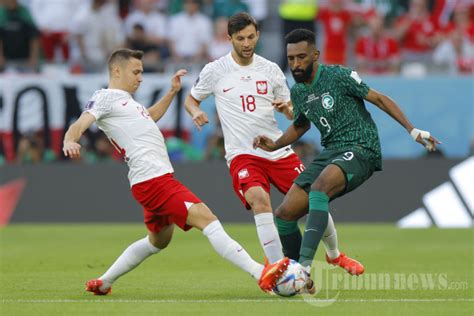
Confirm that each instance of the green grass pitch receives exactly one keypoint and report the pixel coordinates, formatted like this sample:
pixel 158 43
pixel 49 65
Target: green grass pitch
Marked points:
pixel 408 272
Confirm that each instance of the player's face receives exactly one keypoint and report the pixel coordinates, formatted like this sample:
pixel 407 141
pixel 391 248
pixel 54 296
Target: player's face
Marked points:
pixel 301 58
pixel 131 75
pixel 244 41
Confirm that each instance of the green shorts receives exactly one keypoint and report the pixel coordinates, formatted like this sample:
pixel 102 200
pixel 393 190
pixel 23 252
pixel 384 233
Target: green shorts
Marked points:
pixel 356 169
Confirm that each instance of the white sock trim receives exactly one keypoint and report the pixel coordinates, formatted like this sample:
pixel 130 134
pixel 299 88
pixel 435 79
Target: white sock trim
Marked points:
pixel 212 227
pixel 264 218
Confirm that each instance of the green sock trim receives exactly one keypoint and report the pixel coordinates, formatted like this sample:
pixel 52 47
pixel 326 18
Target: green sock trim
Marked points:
pixel 318 201
pixel 307 252
pixel 286 227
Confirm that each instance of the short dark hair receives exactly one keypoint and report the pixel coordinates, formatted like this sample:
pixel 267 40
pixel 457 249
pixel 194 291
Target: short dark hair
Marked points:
pixel 239 21
pixel 123 54
pixel 300 35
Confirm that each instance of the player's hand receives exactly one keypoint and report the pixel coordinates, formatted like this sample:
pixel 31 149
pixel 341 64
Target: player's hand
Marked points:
pixel 425 138
pixel 283 107
pixel 176 80
pixel 72 149
pixel 200 118
pixel 264 143
pixel 280 105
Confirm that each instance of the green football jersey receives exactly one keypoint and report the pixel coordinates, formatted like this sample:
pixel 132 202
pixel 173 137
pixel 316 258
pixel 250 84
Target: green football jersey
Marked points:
pixel 334 103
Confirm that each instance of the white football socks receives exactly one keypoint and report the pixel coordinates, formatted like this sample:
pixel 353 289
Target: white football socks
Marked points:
pixel 135 254
pixel 230 250
pixel 268 236
pixel 330 239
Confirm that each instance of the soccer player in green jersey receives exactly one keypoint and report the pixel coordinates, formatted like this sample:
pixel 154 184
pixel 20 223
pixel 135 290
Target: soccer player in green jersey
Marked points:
pixel 332 98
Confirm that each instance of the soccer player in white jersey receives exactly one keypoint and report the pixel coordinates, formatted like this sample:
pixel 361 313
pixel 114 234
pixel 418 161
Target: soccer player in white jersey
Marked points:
pixel 166 202
pixel 247 89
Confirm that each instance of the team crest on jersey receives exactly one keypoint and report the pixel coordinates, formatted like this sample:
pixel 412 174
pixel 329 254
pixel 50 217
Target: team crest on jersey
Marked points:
pixel 327 100
pixel 89 105
pixel 243 174
pixel 262 87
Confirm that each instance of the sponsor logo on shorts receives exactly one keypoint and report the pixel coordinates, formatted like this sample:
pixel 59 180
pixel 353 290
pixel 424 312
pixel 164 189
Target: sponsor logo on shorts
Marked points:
pixel 243 173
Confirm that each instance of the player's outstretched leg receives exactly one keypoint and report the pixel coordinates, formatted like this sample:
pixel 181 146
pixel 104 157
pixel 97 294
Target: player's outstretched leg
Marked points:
pixel 334 257
pixel 201 217
pixel 135 254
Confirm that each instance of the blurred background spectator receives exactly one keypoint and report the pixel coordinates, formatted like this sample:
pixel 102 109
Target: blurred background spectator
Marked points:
pixel 53 18
pixel 376 52
pixel 336 19
pixel 189 34
pixel 258 9
pixel 227 8
pixel 19 41
pixel 146 27
pixel 417 32
pixel 97 31
pixel 220 44
pixel 295 14
pixel 137 40
pixel 455 54
pixel 31 149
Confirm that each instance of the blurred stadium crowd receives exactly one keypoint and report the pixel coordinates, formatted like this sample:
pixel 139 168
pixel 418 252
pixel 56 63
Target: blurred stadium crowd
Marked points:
pixel 375 37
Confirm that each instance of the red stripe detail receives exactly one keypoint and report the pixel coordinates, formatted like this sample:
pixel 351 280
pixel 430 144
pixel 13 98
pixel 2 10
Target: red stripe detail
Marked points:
pixel 9 146
pixel 57 141
pixel 10 194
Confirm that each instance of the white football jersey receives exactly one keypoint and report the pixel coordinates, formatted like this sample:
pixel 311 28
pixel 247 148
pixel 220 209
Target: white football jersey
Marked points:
pixel 243 96
pixel 133 133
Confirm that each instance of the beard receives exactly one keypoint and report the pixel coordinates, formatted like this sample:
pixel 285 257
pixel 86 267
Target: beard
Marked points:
pixel 301 76
pixel 241 53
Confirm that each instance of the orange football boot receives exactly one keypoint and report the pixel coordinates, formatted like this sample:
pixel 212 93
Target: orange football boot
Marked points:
pixel 94 287
pixel 271 273
pixel 352 266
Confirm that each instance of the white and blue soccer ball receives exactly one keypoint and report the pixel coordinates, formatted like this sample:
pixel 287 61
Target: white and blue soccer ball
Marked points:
pixel 292 281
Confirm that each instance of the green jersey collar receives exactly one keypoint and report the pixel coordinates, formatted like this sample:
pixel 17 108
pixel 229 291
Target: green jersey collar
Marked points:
pixel 318 74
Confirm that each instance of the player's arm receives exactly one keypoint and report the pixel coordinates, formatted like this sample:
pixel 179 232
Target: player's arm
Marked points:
pixel 193 108
pixel 158 109
pixel 284 107
pixel 291 135
pixel 71 146
pixel 389 106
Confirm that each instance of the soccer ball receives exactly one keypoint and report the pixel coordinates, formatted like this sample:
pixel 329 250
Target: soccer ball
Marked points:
pixel 292 281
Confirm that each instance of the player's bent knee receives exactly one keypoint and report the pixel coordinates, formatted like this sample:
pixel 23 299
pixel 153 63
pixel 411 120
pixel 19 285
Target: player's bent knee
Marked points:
pixel 283 213
pixel 162 239
pixel 199 216
pixel 258 199
pixel 260 206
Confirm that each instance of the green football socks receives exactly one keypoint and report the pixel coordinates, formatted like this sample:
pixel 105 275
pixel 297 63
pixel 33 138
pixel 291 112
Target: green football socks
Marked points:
pixel 316 224
pixel 290 237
